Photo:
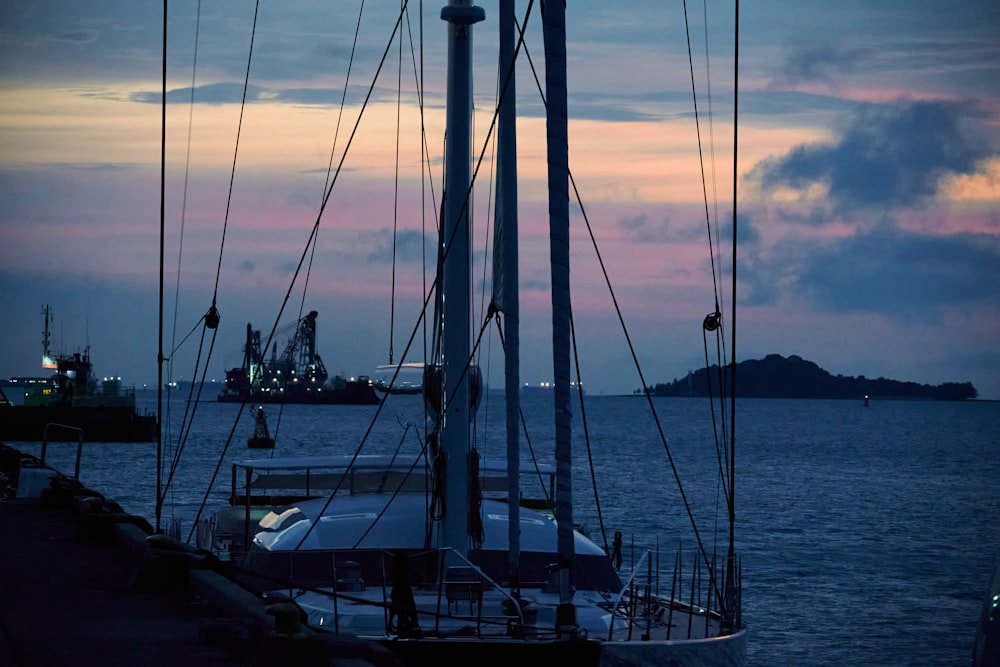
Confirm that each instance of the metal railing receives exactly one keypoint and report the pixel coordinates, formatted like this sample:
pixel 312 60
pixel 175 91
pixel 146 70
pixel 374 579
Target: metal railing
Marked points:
pixel 79 444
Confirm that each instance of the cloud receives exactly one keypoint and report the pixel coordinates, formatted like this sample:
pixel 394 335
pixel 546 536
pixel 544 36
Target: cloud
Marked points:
pixel 792 103
pixel 76 36
pixel 886 156
pixel 411 246
pixel 818 62
pixel 641 228
pixel 212 93
pixel 747 233
pixel 910 277
pixel 232 93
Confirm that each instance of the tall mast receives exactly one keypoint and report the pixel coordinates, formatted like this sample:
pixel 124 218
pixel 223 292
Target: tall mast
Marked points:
pixel 159 355
pixel 554 33
pixel 505 278
pixel 730 608
pixel 456 283
pixel 47 360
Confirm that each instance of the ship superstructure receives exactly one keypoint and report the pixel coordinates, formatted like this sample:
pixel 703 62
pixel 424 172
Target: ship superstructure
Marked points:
pixel 297 375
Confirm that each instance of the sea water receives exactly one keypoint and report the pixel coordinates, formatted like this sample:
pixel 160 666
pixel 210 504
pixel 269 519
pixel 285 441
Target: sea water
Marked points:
pixel 867 534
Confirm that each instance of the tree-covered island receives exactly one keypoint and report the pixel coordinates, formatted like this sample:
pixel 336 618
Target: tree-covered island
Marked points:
pixel 776 376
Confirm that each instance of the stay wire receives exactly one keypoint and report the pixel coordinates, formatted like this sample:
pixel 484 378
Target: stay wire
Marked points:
pixel 425 159
pixel 433 285
pixel 180 243
pixel 631 347
pixel 343 95
pixel 314 241
pixel 586 432
pixel 374 420
pixel 239 129
pixel 191 408
pixel 719 453
pixel 425 180
pixel 524 429
pixel 719 446
pixel 701 157
pixel 302 258
pixel 395 198
pixel 222 242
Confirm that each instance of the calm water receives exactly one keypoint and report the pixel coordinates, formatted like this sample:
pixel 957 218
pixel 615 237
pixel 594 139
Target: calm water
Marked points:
pixel 867 534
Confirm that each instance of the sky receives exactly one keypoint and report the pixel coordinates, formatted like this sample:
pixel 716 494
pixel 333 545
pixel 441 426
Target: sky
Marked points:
pixel 867 180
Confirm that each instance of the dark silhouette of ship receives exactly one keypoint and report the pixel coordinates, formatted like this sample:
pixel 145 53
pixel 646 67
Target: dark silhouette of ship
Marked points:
pixel 298 375
pixel 72 403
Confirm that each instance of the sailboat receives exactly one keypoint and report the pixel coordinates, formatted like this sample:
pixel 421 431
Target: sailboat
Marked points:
pixel 447 557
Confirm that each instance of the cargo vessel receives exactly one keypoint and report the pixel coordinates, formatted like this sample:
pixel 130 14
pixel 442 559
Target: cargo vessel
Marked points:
pixel 298 375
pixel 72 403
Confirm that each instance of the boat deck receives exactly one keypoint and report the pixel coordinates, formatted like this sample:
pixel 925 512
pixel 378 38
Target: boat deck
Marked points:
pixel 75 592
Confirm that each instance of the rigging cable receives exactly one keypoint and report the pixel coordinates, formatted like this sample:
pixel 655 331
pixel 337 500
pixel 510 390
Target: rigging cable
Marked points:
pixel 716 315
pixel 395 196
pixel 720 338
pixel 439 506
pixel 631 347
pixel 524 430
pixel 424 164
pixel 430 293
pixel 424 181
pixel 483 306
pixel 314 239
pixel 298 268
pixel 586 431
pixel 180 245
pixel 236 149
pixel 211 317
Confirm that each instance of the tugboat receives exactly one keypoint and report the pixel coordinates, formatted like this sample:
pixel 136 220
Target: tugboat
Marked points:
pixel 72 397
pixel 297 376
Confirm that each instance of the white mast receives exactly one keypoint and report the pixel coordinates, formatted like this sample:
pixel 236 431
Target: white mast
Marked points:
pixel 460 15
pixel 554 33
pixel 505 278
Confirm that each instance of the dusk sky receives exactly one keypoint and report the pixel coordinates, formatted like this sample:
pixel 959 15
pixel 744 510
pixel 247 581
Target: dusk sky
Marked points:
pixel 868 197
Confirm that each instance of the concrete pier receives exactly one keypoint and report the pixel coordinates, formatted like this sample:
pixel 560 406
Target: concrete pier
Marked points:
pixel 82 582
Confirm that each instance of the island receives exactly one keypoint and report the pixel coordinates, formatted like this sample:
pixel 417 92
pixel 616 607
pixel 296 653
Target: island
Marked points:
pixel 776 376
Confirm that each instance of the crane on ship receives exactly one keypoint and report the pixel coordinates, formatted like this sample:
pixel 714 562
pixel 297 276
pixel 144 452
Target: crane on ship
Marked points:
pixel 298 369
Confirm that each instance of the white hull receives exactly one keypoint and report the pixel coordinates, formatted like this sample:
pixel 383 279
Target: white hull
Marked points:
pixel 364 614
